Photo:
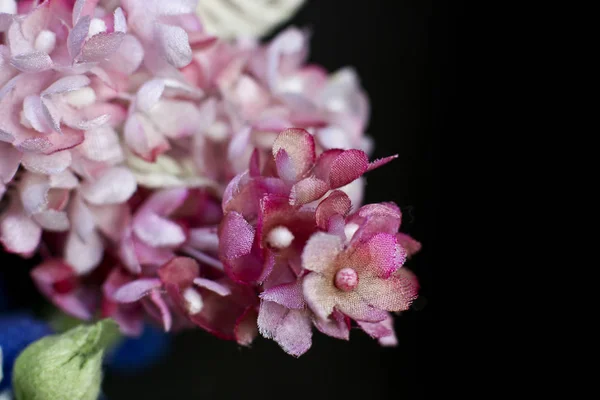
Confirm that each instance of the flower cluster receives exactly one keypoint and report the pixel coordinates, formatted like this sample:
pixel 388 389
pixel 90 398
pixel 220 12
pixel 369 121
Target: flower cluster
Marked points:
pixel 164 173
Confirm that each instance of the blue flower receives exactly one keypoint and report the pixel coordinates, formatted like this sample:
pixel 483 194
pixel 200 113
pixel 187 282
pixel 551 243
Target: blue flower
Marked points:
pixel 17 331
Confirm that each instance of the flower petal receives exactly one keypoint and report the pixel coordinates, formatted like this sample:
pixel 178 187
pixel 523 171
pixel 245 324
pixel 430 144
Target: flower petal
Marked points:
pixel 409 244
pixel 320 294
pixel 101 46
pixel 180 271
pixel 36 61
pixel 135 290
pixel 320 252
pixel 47 164
pixel 52 220
pixel 213 286
pixel 116 185
pixel 299 146
pixel 33 191
pixel 337 203
pixel 11 158
pixel 174 44
pixel 149 94
pixel 393 294
pixel 18 233
pixel 288 295
pixel 307 190
pixel 236 236
pixel 84 254
pixel 337 325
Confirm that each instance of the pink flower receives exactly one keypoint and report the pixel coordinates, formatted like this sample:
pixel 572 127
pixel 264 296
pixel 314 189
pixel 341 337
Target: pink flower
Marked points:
pixel 179 290
pixel 357 275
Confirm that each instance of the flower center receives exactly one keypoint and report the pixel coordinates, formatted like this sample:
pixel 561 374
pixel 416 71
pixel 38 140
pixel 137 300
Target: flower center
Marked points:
pixel 346 279
pixel 280 237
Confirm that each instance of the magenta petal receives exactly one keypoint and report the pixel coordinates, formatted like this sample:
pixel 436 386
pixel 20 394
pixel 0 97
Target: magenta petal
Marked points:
pixel 347 167
pixel 213 286
pixel 236 236
pixel 288 295
pixel 337 203
pixel 409 244
pixel 35 61
pixel 180 272
pixel 135 290
pixel 382 161
pixel 285 166
pixel 299 146
pixel 307 190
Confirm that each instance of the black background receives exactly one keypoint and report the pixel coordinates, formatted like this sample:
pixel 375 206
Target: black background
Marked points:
pixel 404 52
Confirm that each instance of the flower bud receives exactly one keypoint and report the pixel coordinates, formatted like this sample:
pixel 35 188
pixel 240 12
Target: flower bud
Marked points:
pixel 65 366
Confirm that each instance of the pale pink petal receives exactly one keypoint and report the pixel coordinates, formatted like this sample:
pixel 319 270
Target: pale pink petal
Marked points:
pixel 384 331
pixel 149 94
pixel 307 190
pixel 67 84
pixel 33 191
pixel 204 239
pixel 128 57
pixel 18 233
pixel 116 185
pixel 64 180
pixel 321 251
pixel 320 294
pixel 288 295
pixel 157 231
pixel 77 36
pixel 394 294
pixel 120 24
pixel 111 219
pixel 149 255
pixel 84 255
pixel 164 202
pixel 52 220
pixel 143 139
pixel 11 159
pixel 101 46
pixel 337 203
pixel 337 326
pixel 127 251
pixel 356 308
pixel 83 8
pixel 33 112
pixel 174 44
pixel 135 290
pixel 73 305
pixel 82 217
pixel 102 144
pixel 300 147
pixel 165 313
pixel 35 61
pixel 213 286
pixel 47 164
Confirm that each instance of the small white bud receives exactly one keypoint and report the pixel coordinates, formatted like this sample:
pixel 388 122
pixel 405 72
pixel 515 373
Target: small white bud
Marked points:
pixel 96 26
pixel 81 97
pixel 194 300
pixel 45 41
pixel 280 237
